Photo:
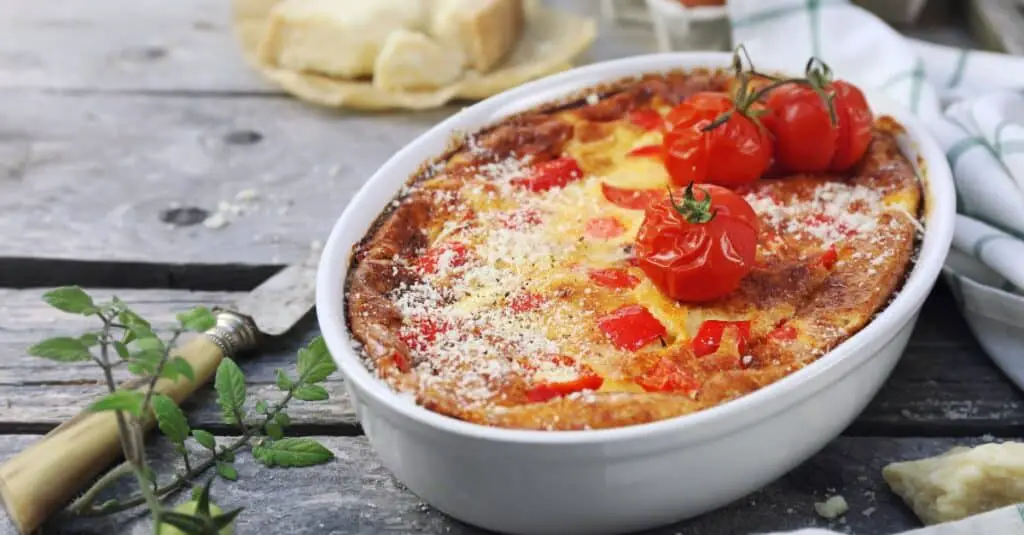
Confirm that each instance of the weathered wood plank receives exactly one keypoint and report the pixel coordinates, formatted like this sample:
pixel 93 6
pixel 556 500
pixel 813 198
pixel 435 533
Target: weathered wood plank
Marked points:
pixel 185 45
pixel 38 394
pixel 131 178
pixel 943 386
pixel 355 494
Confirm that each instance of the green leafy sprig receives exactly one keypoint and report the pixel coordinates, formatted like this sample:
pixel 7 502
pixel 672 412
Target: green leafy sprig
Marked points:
pixel 127 339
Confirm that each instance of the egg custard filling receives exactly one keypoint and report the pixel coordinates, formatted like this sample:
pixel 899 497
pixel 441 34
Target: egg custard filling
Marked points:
pixel 533 277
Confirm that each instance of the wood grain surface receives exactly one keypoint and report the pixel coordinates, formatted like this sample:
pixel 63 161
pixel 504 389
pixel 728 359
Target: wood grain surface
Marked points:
pixel 355 494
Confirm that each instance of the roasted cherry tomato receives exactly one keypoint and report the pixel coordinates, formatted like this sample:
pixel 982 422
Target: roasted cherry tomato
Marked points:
pixel 709 336
pixel 556 173
pixel 454 254
pixel 633 199
pixel 710 141
pixel 811 138
pixel 647 119
pixel 604 228
pixel 667 376
pixel 631 327
pixel 559 376
pixel 613 278
pixel 698 250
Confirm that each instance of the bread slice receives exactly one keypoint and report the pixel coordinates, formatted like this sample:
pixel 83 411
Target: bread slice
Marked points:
pixel 339 38
pixel 484 30
pixel 412 61
pixel 961 482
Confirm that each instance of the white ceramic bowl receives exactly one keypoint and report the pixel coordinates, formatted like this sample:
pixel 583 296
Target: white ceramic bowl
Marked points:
pixel 617 480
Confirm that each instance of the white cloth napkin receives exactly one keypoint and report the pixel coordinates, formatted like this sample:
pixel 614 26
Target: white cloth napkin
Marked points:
pixel 972 101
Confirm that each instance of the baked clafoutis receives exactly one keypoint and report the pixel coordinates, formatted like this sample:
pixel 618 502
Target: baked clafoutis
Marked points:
pixel 643 250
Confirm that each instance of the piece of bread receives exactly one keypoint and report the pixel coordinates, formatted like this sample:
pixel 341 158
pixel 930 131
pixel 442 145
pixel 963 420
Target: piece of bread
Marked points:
pixel 340 38
pixel 483 30
pixel 412 61
pixel 961 482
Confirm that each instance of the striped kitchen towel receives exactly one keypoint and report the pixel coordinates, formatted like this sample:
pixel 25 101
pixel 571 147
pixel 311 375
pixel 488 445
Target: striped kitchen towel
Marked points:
pixel 973 103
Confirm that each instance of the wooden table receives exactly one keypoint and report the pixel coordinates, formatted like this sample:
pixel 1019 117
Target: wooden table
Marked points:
pixel 122 122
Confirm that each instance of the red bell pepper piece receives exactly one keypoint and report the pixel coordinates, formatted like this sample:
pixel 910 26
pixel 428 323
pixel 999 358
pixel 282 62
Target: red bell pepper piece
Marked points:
pixel 632 199
pixel 555 173
pixel 613 278
pixel 709 336
pixel 428 262
pixel 650 151
pixel 561 377
pixel 604 228
pixel 631 327
pixel 647 119
pixel 667 376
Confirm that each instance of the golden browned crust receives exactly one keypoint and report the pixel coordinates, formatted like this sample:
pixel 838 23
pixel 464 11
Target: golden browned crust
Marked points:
pixel 826 307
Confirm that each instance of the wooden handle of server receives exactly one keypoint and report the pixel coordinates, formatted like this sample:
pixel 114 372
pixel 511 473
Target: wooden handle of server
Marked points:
pixel 47 474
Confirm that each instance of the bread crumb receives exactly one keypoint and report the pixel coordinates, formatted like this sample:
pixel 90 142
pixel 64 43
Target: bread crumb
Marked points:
pixel 215 221
pixel 832 508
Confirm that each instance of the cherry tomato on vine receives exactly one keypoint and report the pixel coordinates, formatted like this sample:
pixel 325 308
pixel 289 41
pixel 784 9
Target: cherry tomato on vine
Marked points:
pixel 818 125
pixel 700 249
pixel 711 139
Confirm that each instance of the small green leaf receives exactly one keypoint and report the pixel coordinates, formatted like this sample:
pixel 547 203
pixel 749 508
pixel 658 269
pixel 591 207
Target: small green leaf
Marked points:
pixel 311 393
pixel 227 471
pixel 136 326
pixel 204 438
pixel 62 349
pixel 121 349
pixel 291 452
pixel 121 400
pixel 145 363
pixel 282 419
pixel 196 491
pixel 148 344
pixel 283 382
pixel 71 299
pixel 274 430
pixel 315 362
pixel 171 420
pixel 198 319
pixel 178 367
pixel 90 339
pixel 230 386
pixel 261 407
pixel 226 455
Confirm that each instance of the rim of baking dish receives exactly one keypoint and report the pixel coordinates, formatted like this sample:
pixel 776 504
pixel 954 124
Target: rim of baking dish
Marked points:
pixel 939 211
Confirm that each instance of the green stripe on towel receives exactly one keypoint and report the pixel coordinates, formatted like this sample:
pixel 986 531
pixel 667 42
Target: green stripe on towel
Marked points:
pixel 960 147
pixel 780 12
pixel 958 70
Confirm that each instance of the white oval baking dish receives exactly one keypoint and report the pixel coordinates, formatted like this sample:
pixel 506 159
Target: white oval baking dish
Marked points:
pixel 637 477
